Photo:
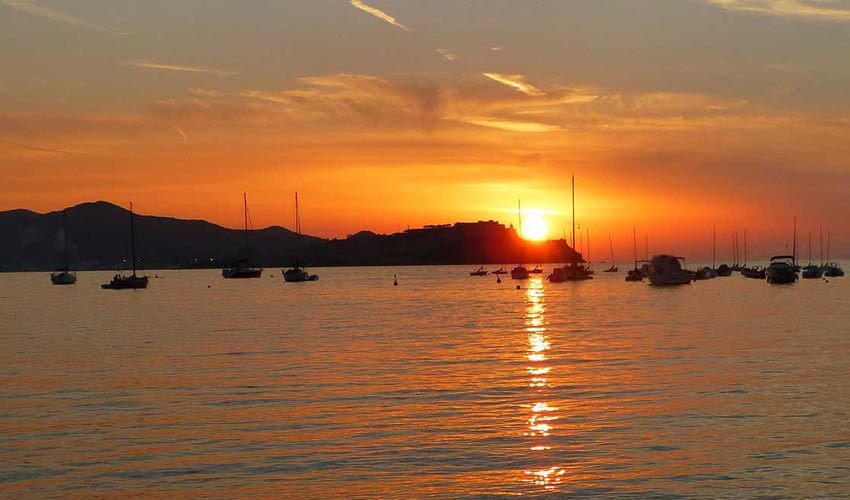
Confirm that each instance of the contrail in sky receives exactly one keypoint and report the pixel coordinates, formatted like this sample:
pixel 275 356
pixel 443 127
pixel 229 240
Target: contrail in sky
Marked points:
pixel 515 81
pixel 174 67
pixel 379 14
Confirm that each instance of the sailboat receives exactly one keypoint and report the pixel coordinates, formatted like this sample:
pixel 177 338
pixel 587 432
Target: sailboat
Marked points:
pixel 736 266
pixel 296 273
pixel 613 268
pixel 64 276
pixel 132 282
pixel 574 271
pixel 241 268
pixel 479 272
pixel 520 272
pixel 751 272
pixel 707 272
pixel 831 269
pixel 635 274
pixel 811 271
pixel 724 270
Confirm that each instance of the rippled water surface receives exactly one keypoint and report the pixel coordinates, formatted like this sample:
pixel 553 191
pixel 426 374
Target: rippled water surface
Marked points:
pixel 446 386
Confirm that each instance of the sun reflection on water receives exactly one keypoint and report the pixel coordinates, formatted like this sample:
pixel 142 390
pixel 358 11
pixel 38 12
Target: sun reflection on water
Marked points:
pixel 541 416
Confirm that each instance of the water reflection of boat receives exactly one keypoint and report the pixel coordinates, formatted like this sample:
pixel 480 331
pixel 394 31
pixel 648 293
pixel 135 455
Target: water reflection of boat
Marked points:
pixel 479 272
pixel 668 270
pixel 64 276
pixel 132 282
pixel 242 268
pixel 781 270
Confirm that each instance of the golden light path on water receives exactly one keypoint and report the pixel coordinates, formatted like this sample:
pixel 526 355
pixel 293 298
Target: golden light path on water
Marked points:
pixel 541 416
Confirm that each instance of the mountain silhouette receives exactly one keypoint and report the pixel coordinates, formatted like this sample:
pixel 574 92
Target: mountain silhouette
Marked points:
pixel 98 235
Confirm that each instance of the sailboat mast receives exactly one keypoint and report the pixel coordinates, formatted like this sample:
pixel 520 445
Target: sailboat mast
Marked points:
pixel 297 216
pixel 734 258
pixel 521 243
pixel 574 212
pixel 795 240
pixel 735 247
pixel 821 246
pixel 581 246
pixel 828 238
pixel 588 245
pixel 810 247
pixel 611 244
pixel 245 211
pixel 65 230
pixel 714 247
pixel 745 248
pixel 132 239
pixel 297 231
pixel 646 242
pixel 634 237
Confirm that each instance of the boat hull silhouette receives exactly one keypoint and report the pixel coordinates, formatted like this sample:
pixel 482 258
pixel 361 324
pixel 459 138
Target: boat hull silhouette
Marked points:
pixel 519 273
pixel 241 273
pixel 297 275
pixel 781 270
pixel 120 282
pixel 63 278
pixel 667 270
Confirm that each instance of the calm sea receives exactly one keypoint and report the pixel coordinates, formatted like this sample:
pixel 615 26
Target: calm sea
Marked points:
pixel 446 386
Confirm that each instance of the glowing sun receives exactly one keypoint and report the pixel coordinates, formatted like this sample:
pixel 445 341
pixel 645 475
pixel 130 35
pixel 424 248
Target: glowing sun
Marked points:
pixel 534 227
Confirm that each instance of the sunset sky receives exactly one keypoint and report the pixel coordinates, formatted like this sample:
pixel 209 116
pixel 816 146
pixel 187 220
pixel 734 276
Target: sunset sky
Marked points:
pixel 674 115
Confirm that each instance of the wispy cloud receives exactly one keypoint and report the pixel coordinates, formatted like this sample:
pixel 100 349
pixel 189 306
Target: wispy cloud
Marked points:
pixel 510 125
pixel 451 56
pixel 44 150
pixel 204 92
pixel 515 81
pixel 379 14
pixel 831 10
pixel 341 96
pixel 349 101
pixel 34 9
pixel 174 67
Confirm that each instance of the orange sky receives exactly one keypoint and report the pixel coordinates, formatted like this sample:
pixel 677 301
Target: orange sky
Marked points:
pixel 674 119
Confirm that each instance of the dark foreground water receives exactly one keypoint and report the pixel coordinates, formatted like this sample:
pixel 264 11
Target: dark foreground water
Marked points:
pixel 446 386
